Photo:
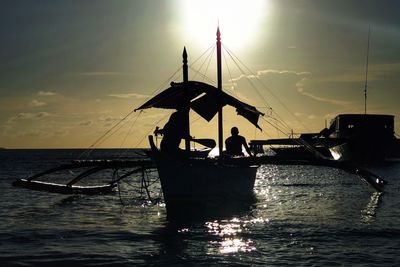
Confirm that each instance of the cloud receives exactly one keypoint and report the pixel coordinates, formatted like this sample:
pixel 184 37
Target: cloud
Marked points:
pixel 289 79
pixel 63 132
pixel 263 74
pixel 35 103
pixel 40 133
pixel 300 89
pixel 284 72
pixel 28 116
pixel 104 73
pixel 45 93
pixel 30 133
pixel 85 123
pixel 327 100
pixel 301 114
pixel 298 114
pixel 131 95
pixel 311 117
pixel 109 119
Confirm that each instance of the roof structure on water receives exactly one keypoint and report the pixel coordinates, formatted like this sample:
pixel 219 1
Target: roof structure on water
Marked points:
pixel 203 99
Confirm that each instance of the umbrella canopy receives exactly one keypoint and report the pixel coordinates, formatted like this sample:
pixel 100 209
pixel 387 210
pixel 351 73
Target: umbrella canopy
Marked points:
pixel 204 100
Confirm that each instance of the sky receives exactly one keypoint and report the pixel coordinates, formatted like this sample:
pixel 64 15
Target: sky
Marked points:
pixel 71 70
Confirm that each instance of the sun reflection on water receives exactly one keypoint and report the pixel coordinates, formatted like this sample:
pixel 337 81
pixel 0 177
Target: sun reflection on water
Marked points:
pixel 234 245
pixel 369 212
pixel 231 233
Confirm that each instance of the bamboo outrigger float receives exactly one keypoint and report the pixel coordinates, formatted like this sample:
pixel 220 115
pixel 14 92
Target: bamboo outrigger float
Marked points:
pixel 90 168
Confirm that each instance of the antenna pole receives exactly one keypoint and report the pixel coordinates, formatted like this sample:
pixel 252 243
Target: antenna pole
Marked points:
pixel 219 75
pixel 366 73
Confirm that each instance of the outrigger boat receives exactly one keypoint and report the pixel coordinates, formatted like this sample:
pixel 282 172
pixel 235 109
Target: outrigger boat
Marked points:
pixel 193 179
pixel 192 182
pixel 189 181
pixel 196 182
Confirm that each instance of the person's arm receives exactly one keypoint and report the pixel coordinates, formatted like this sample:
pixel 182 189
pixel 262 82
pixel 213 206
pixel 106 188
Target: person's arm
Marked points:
pixel 158 131
pixel 247 147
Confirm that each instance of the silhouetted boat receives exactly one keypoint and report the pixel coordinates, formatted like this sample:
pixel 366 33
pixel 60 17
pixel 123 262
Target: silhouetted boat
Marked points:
pixel 362 138
pixel 194 184
pixel 365 137
pixel 305 147
pixel 190 183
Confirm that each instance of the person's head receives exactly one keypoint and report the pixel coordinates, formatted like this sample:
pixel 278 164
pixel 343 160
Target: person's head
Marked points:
pixel 235 131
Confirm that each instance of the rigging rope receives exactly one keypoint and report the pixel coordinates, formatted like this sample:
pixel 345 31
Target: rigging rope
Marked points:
pixel 207 55
pixel 130 128
pixel 103 136
pixel 141 140
pixel 230 75
pixel 129 133
pixel 263 84
pixel 164 84
pixel 212 50
pixel 203 76
pixel 260 95
pixel 299 141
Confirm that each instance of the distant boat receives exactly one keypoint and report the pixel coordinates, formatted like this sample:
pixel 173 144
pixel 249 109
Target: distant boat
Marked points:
pixel 361 138
pixel 365 137
pixel 358 138
pixel 307 146
pixel 197 183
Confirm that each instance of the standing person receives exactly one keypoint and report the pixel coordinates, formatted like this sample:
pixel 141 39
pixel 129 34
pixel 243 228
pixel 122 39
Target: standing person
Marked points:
pixel 234 144
pixel 173 132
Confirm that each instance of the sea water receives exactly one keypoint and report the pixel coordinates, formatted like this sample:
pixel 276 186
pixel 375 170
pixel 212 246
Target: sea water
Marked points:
pixel 303 216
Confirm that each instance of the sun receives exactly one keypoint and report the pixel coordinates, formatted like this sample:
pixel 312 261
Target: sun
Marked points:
pixel 239 20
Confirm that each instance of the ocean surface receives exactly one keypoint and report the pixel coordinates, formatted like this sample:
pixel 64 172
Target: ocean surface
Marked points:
pixel 303 216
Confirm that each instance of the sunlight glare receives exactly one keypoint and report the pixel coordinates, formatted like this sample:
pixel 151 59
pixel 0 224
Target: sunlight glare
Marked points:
pixel 239 20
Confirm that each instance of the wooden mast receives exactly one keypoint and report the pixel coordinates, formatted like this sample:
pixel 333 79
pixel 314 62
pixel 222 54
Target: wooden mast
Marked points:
pixel 366 73
pixel 219 78
pixel 187 103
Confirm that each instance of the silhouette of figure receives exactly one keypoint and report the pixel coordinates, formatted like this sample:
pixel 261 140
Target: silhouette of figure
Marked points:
pixel 174 131
pixel 234 144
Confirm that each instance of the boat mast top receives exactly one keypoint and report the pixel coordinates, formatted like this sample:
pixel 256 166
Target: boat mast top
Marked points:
pixel 187 101
pixel 366 73
pixel 219 78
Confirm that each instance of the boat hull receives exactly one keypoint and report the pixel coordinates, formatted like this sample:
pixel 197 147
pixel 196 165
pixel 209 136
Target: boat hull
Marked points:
pixel 203 184
pixel 363 151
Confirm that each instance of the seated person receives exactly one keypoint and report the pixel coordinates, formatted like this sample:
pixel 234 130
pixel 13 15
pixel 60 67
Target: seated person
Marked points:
pixel 235 142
